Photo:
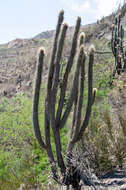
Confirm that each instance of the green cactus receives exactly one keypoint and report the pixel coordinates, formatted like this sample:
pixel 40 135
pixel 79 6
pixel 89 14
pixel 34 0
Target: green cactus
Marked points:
pixel 117 45
pixel 55 119
pixel 38 81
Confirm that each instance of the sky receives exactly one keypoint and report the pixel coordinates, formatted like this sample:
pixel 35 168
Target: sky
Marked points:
pixel 27 18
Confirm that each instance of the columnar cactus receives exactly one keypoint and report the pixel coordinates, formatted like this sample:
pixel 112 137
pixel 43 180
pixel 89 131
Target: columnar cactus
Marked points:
pixel 117 44
pixel 55 119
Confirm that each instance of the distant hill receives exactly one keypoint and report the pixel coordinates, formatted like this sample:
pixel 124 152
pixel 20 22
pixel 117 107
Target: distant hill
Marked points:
pixel 45 35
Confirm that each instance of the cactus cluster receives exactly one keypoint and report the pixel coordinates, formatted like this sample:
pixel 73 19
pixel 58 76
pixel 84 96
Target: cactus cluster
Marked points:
pixel 117 45
pixel 55 119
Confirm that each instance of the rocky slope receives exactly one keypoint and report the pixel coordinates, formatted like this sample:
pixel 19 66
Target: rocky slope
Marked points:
pixel 18 57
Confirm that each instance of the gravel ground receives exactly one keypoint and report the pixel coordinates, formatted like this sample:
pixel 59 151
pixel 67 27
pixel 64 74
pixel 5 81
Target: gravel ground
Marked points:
pixel 115 180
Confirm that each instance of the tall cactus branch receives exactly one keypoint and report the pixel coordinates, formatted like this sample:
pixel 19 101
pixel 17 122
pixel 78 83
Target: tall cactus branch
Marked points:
pixel 117 45
pixel 36 98
pixel 73 92
pixel 52 60
pixel 48 101
pixel 90 93
pixel 80 100
pixel 67 71
pixel 53 98
pixel 57 71
pixel 80 90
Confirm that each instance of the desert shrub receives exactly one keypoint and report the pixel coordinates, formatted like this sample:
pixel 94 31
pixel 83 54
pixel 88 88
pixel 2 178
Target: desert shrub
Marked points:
pixel 106 147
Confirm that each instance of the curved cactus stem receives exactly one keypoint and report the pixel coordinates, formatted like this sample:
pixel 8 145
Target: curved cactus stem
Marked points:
pixel 36 99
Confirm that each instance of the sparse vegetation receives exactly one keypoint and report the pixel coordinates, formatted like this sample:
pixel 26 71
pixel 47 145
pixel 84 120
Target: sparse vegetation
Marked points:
pixel 22 160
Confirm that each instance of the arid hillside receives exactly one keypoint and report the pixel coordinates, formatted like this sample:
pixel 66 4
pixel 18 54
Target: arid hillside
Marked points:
pixel 18 57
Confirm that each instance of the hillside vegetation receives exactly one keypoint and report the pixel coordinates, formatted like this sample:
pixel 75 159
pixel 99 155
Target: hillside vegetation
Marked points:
pixel 22 161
